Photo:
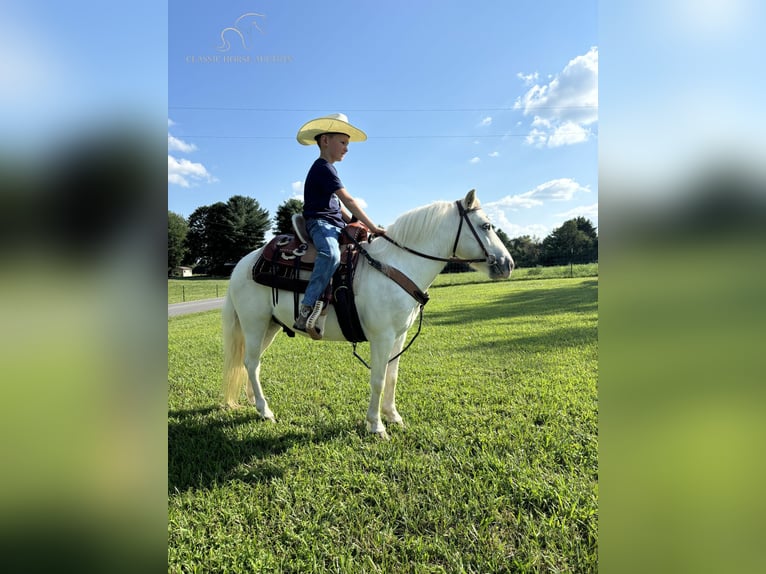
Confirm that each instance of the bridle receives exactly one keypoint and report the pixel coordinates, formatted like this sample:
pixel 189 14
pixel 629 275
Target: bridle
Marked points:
pixel 463 212
pixel 407 284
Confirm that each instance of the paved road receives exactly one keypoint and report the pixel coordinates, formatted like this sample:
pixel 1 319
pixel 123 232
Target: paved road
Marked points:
pixel 194 306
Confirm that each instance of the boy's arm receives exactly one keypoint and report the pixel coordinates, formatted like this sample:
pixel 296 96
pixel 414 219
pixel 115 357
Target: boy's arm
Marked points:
pixel 357 211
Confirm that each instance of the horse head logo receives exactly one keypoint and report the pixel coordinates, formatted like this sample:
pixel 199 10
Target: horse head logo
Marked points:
pixel 240 29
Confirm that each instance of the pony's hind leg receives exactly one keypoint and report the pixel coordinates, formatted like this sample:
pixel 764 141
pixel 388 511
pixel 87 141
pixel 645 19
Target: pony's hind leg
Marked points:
pixel 253 353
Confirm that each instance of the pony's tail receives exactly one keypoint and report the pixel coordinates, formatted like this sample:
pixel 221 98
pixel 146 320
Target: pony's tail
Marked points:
pixel 234 371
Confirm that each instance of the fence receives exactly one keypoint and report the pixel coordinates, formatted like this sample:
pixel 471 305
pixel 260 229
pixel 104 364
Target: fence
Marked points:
pixel 182 290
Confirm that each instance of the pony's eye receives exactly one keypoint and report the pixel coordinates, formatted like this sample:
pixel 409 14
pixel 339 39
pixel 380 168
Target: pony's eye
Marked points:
pixel 486 226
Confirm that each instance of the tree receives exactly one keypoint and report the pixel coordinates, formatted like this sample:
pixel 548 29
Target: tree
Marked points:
pixel 574 242
pixel 249 224
pixel 223 233
pixel 526 251
pixel 196 238
pixel 283 219
pixel 503 237
pixel 177 231
pixel 220 237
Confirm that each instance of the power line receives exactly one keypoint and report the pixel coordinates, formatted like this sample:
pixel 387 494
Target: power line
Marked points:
pixel 371 138
pixel 385 110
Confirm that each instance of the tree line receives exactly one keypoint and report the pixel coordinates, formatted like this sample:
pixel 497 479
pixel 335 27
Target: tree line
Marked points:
pixel 215 237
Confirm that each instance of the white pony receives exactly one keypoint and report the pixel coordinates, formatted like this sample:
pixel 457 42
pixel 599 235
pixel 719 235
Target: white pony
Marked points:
pixel 422 241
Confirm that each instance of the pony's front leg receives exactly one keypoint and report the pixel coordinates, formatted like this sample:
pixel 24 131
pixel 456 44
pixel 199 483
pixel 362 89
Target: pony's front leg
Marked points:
pixel 388 409
pixel 380 351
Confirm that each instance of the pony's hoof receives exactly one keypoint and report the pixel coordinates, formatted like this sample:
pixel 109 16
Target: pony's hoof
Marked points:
pixel 381 435
pixel 269 419
pixel 394 420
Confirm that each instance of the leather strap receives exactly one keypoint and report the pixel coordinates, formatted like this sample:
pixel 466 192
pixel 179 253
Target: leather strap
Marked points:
pixel 394 274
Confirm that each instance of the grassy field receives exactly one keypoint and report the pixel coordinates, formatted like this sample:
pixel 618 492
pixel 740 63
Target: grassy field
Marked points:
pixel 196 288
pixel 495 471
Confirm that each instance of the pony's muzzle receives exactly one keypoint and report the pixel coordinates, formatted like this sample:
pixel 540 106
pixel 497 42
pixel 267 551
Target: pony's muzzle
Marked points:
pixel 500 268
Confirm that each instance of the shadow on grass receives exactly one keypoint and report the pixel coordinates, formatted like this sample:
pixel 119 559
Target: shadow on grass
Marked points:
pixel 525 306
pixel 580 298
pixel 204 449
pixel 558 338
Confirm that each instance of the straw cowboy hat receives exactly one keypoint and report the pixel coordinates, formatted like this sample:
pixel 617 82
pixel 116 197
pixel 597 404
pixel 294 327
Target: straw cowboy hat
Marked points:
pixel 334 123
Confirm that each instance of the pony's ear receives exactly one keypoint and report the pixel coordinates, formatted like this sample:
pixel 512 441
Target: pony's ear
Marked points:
pixel 470 200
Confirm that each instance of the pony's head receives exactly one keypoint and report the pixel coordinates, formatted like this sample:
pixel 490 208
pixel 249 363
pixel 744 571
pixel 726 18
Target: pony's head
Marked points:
pixel 477 240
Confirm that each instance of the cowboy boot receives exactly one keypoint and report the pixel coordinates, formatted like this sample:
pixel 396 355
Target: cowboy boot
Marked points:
pixel 314 330
pixel 303 314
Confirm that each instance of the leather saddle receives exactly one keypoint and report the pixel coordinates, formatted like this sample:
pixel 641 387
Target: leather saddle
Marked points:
pixel 289 250
pixel 299 226
pixel 286 256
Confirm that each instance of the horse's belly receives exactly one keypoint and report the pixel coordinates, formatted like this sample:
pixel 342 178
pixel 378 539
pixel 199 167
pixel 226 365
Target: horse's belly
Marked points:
pixel 285 313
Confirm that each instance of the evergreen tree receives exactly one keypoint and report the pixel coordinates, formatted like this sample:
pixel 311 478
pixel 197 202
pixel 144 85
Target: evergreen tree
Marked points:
pixel 574 242
pixel 249 224
pixel 222 233
pixel 283 219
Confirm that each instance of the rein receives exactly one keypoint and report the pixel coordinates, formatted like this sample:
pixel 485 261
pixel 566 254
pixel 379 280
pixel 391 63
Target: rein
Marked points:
pixel 454 259
pixel 400 279
pixel 407 284
pixel 392 273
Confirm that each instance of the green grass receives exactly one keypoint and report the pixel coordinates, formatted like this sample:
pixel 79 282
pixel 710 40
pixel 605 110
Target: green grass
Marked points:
pixel 196 288
pixel 495 471
pixel 520 274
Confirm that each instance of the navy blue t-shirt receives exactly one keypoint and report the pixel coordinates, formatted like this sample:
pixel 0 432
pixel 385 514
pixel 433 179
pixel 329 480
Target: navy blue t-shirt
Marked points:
pixel 319 199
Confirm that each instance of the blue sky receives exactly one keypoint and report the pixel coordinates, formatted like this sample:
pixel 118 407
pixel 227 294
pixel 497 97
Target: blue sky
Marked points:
pixel 498 96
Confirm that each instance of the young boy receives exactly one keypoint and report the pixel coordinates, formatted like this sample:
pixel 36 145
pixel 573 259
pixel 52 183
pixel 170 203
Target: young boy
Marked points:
pixel 327 207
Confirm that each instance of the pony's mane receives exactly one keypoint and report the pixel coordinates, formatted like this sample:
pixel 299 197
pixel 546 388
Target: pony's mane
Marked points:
pixel 419 223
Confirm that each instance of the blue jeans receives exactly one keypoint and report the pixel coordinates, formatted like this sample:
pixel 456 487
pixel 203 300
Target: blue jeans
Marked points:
pixel 325 237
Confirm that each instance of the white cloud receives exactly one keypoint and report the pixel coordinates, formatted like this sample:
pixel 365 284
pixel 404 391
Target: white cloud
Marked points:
pixel 528 79
pixel 588 211
pixel 494 154
pixel 175 144
pixel 361 202
pixel 568 133
pixel 536 138
pixel 514 202
pixel 184 172
pixel 565 107
pixel 474 160
pixel 296 190
pixel 486 121
pixel 562 189
pixel 500 219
